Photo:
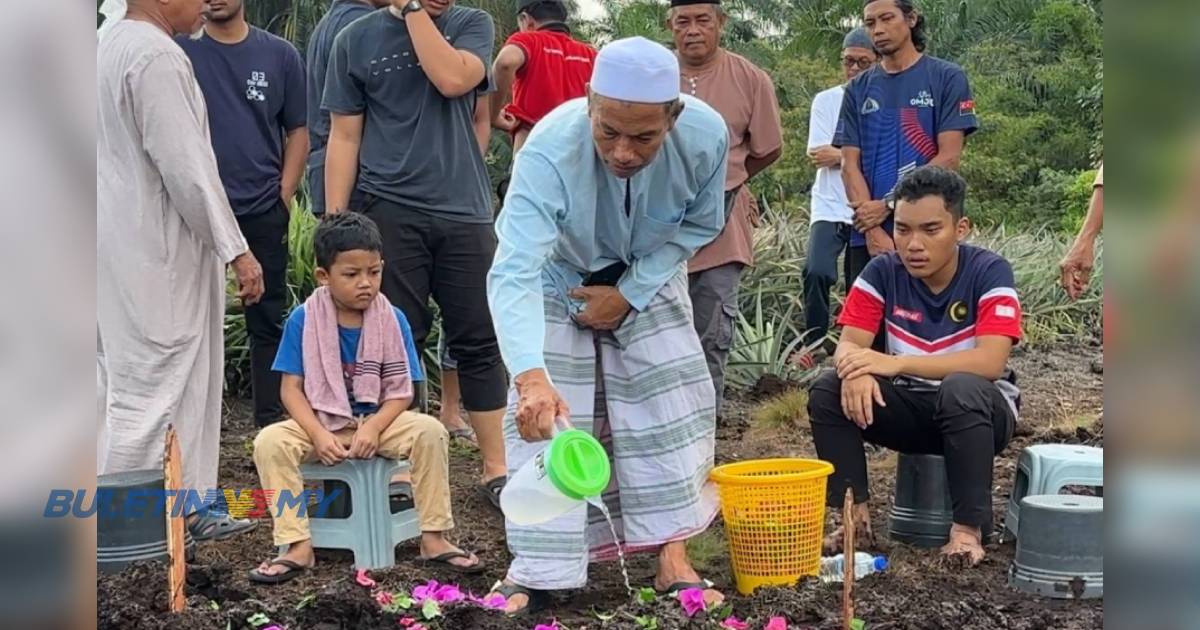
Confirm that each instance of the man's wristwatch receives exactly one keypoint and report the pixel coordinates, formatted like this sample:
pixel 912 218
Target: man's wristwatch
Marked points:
pixel 413 5
pixel 889 202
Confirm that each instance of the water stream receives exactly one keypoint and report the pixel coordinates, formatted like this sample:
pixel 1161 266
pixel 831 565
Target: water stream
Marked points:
pixel 599 503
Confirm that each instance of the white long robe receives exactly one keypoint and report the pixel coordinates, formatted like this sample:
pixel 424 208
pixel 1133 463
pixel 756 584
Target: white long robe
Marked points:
pixel 164 232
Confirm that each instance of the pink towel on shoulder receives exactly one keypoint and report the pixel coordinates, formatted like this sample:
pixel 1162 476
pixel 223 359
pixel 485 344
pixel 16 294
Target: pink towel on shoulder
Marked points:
pixel 381 371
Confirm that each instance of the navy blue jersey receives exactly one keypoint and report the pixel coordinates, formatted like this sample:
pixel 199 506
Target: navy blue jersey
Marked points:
pixel 980 300
pixel 894 119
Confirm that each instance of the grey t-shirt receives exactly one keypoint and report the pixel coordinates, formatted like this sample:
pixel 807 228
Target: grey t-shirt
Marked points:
pixel 418 147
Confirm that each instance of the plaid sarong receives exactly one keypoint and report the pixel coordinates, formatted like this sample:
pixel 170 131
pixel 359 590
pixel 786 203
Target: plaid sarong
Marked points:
pixel 645 392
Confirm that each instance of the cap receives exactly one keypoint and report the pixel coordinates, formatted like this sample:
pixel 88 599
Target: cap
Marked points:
pixel 577 464
pixel 637 70
pixel 857 38
pixel 881 563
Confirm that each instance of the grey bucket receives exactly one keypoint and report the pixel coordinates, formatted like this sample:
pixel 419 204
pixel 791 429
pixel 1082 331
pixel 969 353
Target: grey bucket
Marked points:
pixel 125 538
pixel 1060 547
pixel 922 510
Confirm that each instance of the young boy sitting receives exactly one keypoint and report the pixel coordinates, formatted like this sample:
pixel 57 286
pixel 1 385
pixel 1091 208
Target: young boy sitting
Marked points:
pixel 348 363
pixel 952 317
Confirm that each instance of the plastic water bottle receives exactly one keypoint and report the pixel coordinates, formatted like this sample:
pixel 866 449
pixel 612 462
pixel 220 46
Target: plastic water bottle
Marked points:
pixel 571 469
pixel 833 568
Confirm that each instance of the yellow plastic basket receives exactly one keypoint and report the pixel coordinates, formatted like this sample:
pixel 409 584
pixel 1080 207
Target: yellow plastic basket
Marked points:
pixel 774 512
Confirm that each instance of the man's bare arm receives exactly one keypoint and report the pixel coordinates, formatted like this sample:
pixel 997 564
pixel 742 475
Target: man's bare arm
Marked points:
pixel 852 339
pixel 295 153
pixel 504 73
pixel 341 160
pixel 988 359
pixel 857 190
pixel 754 165
pixel 950 147
pixel 453 72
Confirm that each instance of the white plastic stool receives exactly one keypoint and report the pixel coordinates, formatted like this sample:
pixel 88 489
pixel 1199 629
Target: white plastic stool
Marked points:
pixel 371 531
pixel 1047 469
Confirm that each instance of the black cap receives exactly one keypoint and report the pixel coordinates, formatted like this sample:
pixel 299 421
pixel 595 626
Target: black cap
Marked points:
pixel 679 3
pixel 525 4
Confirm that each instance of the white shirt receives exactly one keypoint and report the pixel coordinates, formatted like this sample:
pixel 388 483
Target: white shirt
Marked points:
pixel 829 201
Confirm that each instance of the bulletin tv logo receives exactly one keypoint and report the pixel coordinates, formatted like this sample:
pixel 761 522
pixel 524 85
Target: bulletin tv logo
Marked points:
pixel 142 502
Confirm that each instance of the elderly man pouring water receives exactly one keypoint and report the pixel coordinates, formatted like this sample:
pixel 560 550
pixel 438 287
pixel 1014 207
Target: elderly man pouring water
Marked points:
pixel 610 196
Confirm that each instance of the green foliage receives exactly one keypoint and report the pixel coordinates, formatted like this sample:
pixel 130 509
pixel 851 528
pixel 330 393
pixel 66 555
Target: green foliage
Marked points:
pixel 1036 71
pixel 1075 202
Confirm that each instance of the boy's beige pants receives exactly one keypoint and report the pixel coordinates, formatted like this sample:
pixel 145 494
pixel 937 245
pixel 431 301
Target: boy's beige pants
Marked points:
pixel 280 448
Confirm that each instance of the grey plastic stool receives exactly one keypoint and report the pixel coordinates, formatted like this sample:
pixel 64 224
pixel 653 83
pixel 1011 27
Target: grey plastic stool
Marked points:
pixel 371 531
pixel 1047 469
pixel 1060 548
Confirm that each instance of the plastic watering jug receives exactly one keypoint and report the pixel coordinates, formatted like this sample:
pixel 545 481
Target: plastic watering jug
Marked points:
pixel 571 469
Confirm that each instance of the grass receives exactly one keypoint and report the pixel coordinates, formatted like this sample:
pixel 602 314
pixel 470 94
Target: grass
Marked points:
pixel 707 550
pixel 786 410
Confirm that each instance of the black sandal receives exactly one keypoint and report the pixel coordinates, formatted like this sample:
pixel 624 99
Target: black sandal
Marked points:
pixel 294 570
pixel 490 491
pixel 673 590
pixel 444 559
pixel 538 600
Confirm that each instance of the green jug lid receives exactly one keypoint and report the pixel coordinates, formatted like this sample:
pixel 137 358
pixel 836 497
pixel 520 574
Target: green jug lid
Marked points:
pixel 577 464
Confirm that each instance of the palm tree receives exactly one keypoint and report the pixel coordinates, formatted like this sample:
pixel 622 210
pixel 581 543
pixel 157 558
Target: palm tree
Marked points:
pixel 293 20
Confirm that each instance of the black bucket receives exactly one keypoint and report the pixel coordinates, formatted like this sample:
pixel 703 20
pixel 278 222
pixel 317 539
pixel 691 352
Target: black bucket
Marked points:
pixel 123 537
pixel 922 511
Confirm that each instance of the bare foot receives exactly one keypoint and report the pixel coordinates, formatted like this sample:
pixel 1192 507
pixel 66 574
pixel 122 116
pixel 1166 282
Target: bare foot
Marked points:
pixel 864 538
pixel 434 544
pixel 966 545
pixel 299 552
pixel 674 567
pixel 517 602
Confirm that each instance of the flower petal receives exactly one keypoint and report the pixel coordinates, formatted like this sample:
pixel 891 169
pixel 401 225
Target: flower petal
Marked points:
pixel 363 579
pixel 692 600
pixel 776 623
pixel 733 623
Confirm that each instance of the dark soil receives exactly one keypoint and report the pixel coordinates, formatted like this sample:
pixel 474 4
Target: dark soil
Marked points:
pixel 1062 397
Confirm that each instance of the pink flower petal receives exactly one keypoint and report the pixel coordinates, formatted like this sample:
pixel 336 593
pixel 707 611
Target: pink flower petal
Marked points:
pixel 553 625
pixel 363 579
pixel 733 623
pixel 425 591
pixel 407 621
pixel 692 600
pixel 776 623
pixel 448 594
pixel 384 598
pixel 496 601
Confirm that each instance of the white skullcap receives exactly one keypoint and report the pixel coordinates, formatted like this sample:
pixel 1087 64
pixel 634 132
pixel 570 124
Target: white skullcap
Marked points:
pixel 638 70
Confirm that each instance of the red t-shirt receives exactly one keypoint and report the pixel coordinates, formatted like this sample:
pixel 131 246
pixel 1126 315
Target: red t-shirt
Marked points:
pixel 557 69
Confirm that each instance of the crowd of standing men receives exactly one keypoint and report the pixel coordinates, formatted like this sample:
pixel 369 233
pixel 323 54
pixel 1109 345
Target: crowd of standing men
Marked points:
pixel 208 125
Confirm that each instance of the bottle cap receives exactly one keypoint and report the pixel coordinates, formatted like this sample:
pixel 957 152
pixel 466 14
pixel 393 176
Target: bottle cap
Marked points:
pixel 881 563
pixel 577 464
